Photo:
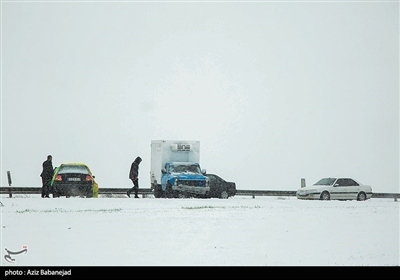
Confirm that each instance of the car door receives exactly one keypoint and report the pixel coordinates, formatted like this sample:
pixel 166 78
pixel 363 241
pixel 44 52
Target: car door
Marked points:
pixel 214 185
pixel 350 189
pixel 339 189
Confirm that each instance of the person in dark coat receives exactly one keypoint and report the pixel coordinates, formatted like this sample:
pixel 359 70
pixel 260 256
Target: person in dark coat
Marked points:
pixel 134 176
pixel 47 175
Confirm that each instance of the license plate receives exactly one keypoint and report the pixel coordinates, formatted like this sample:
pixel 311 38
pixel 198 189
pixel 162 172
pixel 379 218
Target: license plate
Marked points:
pixel 74 179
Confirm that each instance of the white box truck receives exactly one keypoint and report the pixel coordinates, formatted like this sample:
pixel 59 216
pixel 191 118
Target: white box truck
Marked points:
pixel 175 169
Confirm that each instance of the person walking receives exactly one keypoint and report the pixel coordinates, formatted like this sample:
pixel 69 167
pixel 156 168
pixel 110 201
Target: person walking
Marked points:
pixel 134 176
pixel 47 175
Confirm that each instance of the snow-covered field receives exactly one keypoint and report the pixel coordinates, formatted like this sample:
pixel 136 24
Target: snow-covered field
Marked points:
pixel 239 231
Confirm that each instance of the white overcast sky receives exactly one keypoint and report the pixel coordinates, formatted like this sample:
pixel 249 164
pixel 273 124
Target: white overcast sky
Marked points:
pixel 274 91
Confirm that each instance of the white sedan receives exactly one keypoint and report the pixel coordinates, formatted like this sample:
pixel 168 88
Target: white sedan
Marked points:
pixel 336 188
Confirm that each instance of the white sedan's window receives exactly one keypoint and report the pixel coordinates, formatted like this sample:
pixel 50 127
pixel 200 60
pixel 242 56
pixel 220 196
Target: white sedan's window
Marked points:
pixel 346 182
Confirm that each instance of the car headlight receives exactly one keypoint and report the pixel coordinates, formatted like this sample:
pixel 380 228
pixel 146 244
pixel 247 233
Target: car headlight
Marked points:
pixel 310 191
pixel 306 191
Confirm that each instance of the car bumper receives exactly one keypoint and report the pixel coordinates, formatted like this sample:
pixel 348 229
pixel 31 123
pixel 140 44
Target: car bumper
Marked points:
pixel 73 190
pixel 308 196
pixel 191 189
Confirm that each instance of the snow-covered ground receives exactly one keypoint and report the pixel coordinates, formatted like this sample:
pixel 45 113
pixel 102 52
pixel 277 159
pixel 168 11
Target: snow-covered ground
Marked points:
pixel 239 231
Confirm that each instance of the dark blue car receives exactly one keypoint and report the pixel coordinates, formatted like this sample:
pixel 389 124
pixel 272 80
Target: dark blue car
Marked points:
pixel 220 188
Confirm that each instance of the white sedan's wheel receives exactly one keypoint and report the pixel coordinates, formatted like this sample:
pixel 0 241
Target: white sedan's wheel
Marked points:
pixel 361 196
pixel 325 196
pixel 224 195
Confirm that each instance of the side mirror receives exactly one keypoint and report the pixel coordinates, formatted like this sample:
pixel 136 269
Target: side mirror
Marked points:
pixel 163 171
pixel 203 171
pixel 336 185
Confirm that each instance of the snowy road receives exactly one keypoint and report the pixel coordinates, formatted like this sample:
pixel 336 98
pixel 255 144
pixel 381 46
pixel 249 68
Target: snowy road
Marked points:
pixel 239 231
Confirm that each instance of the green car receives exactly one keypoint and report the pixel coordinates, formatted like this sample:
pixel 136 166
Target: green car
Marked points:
pixel 74 179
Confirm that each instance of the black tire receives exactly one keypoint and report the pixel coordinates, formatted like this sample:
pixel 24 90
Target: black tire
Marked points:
pixel 168 191
pixel 224 195
pixel 361 196
pixel 158 192
pixel 180 195
pixel 89 193
pixel 325 196
pixel 56 193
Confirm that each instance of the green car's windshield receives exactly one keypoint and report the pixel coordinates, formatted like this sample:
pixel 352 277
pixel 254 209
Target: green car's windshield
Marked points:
pixel 81 169
pixel 326 181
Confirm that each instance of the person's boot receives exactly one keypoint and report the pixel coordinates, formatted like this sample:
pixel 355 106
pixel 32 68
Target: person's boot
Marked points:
pixel 128 193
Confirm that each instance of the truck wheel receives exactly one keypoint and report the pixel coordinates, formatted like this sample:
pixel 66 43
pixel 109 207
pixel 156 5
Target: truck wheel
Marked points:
pixel 168 191
pixel 181 195
pixel 157 191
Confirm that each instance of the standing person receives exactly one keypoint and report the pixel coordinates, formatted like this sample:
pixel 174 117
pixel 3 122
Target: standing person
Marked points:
pixel 46 175
pixel 133 175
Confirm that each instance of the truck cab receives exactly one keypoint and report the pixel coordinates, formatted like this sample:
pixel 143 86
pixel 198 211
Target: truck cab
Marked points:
pixel 184 179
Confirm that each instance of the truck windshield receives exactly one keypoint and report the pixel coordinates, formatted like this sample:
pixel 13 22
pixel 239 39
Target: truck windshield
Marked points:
pixel 185 168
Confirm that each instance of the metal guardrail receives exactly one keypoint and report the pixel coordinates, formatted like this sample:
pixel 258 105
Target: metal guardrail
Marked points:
pixel 265 193
pixel 37 190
